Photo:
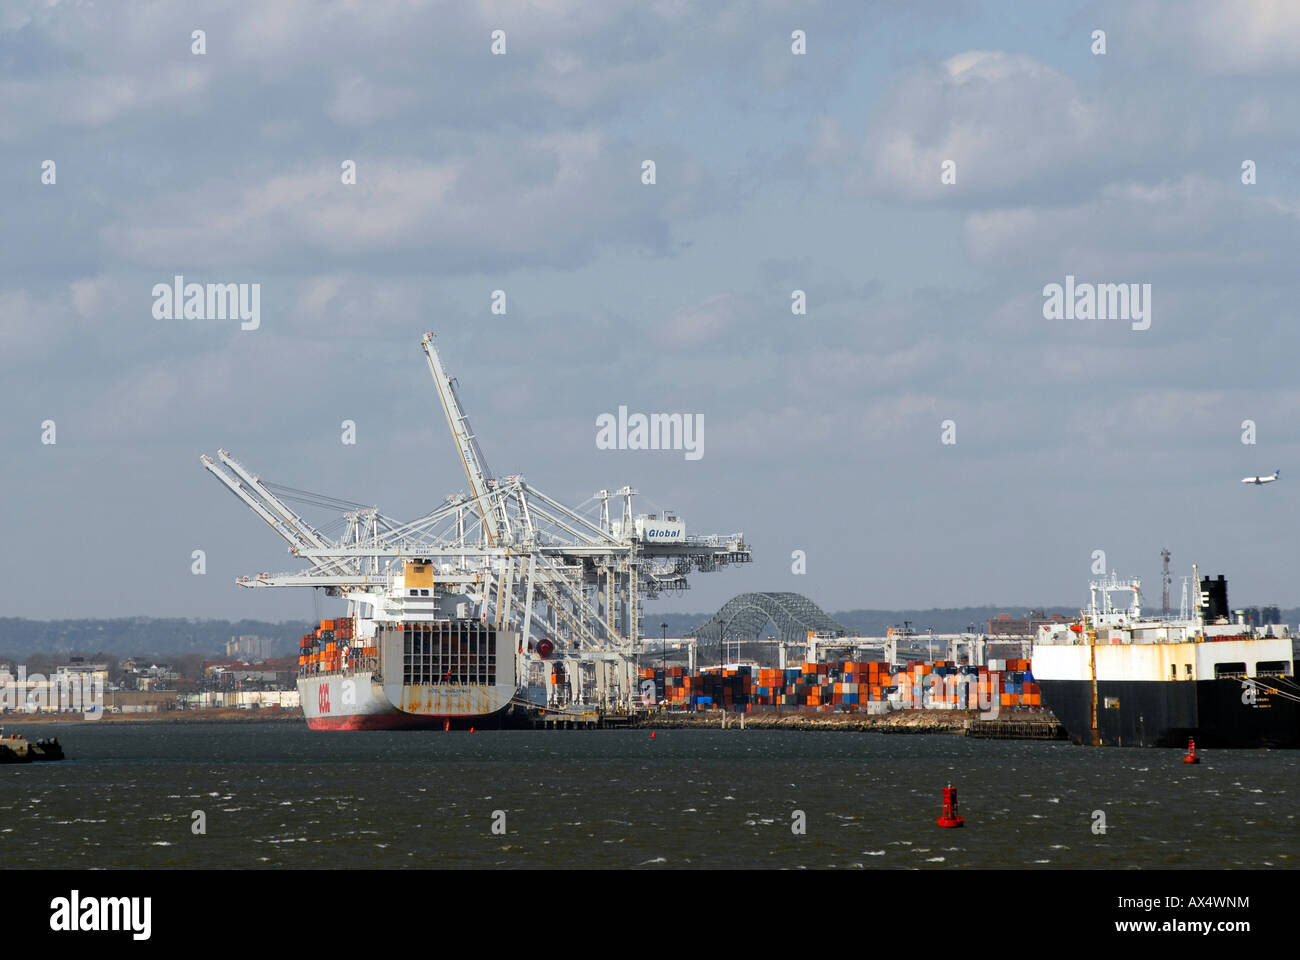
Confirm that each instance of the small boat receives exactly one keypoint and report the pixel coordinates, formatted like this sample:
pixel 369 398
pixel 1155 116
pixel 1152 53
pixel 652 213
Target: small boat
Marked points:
pixel 17 749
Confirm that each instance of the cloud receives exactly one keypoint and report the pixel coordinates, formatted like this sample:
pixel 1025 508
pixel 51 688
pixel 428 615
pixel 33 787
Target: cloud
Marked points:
pixel 1134 229
pixel 1245 38
pixel 26 331
pixel 348 305
pixel 565 63
pixel 85 100
pixel 1006 120
pixel 703 323
pixel 550 200
pixel 359 101
pixel 522 172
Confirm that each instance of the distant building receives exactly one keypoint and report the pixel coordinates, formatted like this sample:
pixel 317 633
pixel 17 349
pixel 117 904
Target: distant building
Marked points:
pixel 249 647
pixel 137 675
pixel 1261 616
pixel 77 666
pixel 1005 625
pixel 238 675
pixel 241 699
pixel 1017 649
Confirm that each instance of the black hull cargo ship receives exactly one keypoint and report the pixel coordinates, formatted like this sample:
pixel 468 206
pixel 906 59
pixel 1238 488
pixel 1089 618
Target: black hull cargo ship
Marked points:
pixel 1149 714
pixel 1117 678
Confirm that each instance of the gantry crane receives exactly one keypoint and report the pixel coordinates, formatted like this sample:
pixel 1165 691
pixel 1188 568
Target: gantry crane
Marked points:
pixel 520 557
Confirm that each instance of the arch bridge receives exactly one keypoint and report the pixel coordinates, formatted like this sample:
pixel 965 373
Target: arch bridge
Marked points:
pixel 742 618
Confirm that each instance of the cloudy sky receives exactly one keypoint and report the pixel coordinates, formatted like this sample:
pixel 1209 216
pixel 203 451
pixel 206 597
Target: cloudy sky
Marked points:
pixel 774 172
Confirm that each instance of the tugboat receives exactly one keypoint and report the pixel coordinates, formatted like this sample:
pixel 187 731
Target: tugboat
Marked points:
pixel 15 749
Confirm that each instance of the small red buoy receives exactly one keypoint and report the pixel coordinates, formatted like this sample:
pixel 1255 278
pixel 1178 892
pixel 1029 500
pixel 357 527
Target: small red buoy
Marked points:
pixel 1190 756
pixel 652 734
pixel 950 818
pixel 471 729
pixel 446 724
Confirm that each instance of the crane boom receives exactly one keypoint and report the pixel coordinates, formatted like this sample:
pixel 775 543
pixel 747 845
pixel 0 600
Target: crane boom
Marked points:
pixel 301 526
pixel 234 486
pixel 295 531
pixel 496 522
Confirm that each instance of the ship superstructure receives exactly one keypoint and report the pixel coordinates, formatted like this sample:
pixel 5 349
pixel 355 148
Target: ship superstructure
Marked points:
pixel 1118 677
pixel 560 588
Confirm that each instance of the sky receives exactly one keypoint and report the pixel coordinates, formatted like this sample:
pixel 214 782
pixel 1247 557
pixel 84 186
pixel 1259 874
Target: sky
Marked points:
pixel 925 433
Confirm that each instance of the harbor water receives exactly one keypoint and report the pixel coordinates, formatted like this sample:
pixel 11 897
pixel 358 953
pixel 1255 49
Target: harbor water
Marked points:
pixel 276 795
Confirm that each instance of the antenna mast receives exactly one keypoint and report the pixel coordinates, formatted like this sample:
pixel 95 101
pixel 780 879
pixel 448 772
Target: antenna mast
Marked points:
pixel 1166 579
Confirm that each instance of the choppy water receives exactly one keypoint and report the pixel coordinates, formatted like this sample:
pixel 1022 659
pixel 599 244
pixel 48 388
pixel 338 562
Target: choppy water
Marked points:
pixel 278 795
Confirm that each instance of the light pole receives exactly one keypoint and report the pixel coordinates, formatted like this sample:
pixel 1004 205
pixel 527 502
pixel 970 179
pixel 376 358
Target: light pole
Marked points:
pixel 780 662
pixel 663 631
pixel 722 667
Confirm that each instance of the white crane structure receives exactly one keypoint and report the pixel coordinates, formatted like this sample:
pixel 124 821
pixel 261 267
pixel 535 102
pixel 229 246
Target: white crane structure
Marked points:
pixel 522 559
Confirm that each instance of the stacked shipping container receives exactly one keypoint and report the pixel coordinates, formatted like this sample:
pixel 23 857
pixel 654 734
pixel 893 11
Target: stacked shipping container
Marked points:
pixel 849 685
pixel 325 650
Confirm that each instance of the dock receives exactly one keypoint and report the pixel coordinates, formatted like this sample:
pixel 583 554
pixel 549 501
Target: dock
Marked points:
pixel 1048 728
pixel 586 718
pixel 1042 727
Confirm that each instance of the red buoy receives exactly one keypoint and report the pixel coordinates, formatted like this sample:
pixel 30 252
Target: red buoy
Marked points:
pixel 1190 756
pixel 446 724
pixel 950 818
pixel 652 734
pixel 471 729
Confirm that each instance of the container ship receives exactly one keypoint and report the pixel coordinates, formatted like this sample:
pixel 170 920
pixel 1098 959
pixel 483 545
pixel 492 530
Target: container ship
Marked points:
pixel 407 667
pixel 1116 677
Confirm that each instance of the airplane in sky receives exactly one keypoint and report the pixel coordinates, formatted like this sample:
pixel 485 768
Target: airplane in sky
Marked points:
pixel 1258 480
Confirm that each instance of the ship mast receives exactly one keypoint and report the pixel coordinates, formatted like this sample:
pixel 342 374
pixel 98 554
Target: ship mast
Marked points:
pixel 1092 675
pixel 1166 579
